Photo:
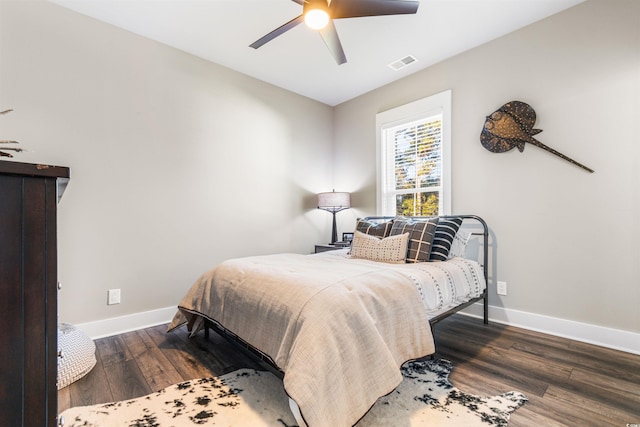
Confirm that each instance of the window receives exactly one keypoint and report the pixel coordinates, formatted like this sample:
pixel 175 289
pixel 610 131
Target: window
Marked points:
pixel 414 158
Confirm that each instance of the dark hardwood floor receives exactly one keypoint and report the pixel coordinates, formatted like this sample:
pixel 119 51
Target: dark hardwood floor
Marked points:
pixel 568 383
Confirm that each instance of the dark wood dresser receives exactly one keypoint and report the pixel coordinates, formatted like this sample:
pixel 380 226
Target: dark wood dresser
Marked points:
pixel 28 293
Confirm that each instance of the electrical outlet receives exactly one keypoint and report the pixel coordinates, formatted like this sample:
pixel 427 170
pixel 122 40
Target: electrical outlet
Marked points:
pixel 113 296
pixel 502 288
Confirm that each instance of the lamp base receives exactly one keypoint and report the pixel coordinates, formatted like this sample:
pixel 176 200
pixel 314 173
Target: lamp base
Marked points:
pixel 334 231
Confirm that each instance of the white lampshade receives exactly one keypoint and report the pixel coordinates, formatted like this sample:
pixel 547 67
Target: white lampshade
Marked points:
pixel 334 201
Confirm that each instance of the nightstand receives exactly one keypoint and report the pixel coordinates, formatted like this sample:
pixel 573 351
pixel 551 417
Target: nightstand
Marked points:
pixel 328 247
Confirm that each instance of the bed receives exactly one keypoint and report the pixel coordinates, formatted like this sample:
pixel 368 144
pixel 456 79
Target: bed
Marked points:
pixel 339 324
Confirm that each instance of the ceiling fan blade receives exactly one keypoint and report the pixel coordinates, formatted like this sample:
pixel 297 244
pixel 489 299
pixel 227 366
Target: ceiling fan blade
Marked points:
pixel 300 2
pixel 357 8
pixel 330 36
pixel 278 31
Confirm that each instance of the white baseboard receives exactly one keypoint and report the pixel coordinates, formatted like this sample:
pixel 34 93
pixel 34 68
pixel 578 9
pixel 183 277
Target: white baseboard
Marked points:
pixel 132 322
pixel 599 335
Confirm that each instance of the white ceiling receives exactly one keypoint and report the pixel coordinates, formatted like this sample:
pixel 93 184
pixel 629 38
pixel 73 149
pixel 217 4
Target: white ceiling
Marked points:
pixel 222 30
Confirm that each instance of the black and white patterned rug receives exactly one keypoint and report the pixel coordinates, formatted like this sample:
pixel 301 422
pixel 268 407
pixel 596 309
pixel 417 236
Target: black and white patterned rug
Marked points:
pixel 255 398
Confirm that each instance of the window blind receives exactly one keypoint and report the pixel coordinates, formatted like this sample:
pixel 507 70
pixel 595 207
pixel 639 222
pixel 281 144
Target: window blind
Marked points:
pixel 414 153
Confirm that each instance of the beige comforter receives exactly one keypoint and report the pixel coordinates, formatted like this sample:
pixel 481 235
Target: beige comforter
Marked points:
pixel 339 329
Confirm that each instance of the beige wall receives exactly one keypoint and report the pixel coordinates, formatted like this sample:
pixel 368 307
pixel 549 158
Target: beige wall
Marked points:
pixel 176 163
pixel 564 240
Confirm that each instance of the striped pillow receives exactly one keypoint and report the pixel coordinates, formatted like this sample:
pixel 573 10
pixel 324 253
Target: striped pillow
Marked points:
pixel 443 238
pixel 420 236
pixel 392 249
pixel 381 229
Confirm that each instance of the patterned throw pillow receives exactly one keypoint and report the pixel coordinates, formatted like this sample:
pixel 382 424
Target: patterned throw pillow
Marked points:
pixel 420 236
pixel 391 249
pixel 443 238
pixel 381 229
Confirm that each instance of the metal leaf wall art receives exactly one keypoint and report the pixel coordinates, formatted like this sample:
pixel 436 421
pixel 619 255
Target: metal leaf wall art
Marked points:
pixel 511 126
pixel 6 141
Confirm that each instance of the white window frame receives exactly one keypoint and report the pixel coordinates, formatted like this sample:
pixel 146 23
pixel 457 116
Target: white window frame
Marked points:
pixel 439 103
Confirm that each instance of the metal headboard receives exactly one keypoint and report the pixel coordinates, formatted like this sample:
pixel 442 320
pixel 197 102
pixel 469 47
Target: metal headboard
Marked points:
pixel 485 248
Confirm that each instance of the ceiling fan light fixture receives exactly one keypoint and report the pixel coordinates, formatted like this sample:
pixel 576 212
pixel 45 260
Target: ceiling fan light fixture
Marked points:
pixel 320 14
pixel 316 19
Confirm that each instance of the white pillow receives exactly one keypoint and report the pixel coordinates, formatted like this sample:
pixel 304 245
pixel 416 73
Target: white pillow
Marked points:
pixel 459 244
pixel 391 249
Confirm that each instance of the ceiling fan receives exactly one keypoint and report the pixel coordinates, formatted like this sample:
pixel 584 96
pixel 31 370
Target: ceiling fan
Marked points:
pixel 319 15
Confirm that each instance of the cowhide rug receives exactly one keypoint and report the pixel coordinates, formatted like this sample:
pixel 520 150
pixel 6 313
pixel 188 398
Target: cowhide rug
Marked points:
pixel 255 398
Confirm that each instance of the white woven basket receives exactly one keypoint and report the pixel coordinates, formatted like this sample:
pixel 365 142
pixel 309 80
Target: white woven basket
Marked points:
pixel 76 354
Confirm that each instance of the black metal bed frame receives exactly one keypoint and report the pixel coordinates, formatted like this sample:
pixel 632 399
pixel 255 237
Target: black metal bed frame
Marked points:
pixel 485 268
pixel 266 361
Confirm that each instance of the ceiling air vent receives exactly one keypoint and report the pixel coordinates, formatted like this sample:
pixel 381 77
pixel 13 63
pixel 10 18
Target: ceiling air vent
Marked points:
pixel 402 62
